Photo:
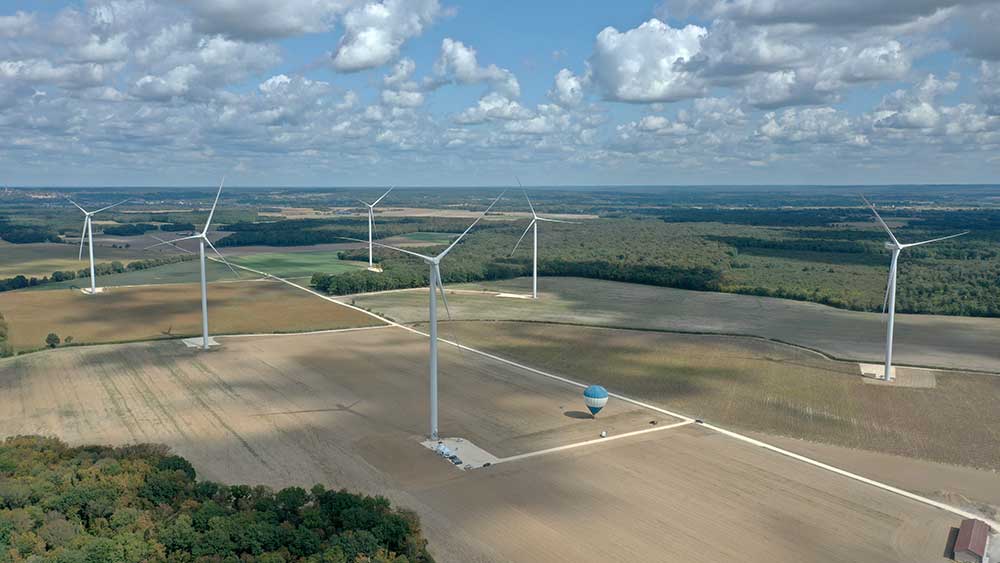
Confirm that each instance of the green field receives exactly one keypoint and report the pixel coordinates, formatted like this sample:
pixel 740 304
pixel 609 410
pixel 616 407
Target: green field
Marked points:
pixel 180 272
pixel 297 264
pixel 756 385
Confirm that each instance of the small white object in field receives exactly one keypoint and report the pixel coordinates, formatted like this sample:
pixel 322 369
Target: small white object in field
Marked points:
pixel 604 433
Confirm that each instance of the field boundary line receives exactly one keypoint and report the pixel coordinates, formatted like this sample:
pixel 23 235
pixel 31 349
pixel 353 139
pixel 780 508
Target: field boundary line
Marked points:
pixel 320 331
pixel 729 433
pixel 855 476
pixel 519 457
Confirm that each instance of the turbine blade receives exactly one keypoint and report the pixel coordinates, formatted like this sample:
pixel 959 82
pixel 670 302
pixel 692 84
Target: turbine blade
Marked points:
pixel 110 206
pixel 397 249
pixel 181 248
pixel 440 285
pixel 76 204
pixel 221 257
pixel 83 235
pixel 888 286
pixel 365 202
pixel 532 207
pixel 444 299
pixel 879 217
pixel 383 196
pixel 522 237
pixel 933 240
pixel 557 221
pixel 481 215
pixel 173 241
pixel 212 212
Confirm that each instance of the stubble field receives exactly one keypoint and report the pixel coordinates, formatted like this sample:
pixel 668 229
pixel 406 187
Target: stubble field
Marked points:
pixel 923 340
pixel 763 386
pixel 167 311
pixel 348 409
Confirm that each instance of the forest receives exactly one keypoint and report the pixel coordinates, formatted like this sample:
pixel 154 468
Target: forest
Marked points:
pixel 139 503
pixel 840 266
pixel 812 243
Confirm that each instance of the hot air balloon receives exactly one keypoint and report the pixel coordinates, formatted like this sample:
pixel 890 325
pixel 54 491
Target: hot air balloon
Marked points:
pixel 596 397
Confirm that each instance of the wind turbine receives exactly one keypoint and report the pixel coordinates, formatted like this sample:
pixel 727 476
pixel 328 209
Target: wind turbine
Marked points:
pixel 371 222
pixel 202 241
pixel 88 233
pixel 890 289
pixel 435 284
pixel 533 225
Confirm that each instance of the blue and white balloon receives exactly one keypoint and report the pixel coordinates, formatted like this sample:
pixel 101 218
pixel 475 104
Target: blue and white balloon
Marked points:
pixel 595 397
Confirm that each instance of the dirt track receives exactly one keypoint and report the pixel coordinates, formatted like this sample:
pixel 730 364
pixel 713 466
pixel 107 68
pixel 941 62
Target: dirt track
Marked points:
pixel 348 409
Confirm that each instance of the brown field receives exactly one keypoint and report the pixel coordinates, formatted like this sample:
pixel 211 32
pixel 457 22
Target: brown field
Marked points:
pixel 758 385
pixel 921 340
pixel 149 312
pixel 347 410
pixel 43 258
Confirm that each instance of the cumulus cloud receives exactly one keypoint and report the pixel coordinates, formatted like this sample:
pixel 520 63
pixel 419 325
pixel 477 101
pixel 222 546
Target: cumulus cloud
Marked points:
pixel 493 106
pixel 914 109
pixel 567 90
pixel 458 63
pixel 811 125
pixel 647 63
pixel 375 32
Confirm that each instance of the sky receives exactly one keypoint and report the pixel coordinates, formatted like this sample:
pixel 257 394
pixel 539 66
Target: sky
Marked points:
pixel 450 93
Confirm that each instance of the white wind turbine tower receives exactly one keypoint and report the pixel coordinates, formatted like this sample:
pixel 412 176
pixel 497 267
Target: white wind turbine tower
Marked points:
pixel 202 241
pixel 371 222
pixel 533 225
pixel 88 234
pixel 435 284
pixel 890 289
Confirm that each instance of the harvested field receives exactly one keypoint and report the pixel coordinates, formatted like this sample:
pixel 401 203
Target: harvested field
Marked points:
pixel 43 258
pixel 347 410
pixel 925 340
pixel 753 384
pixel 148 312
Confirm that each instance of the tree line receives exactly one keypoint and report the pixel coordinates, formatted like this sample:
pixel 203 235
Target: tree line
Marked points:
pixel 832 266
pixel 99 504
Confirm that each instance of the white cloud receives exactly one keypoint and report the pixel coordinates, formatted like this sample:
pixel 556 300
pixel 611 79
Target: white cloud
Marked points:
pixel 493 106
pixel 402 98
pixel 646 64
pixel 989 85
pixel 176 82
pixel 913 109
pixel 458 62
pixel 21 23
pixel 567 89
pixel 811 125
pixel 375 31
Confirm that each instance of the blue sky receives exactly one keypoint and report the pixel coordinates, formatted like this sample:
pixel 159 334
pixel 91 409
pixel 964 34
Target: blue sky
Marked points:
pixel 436 93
